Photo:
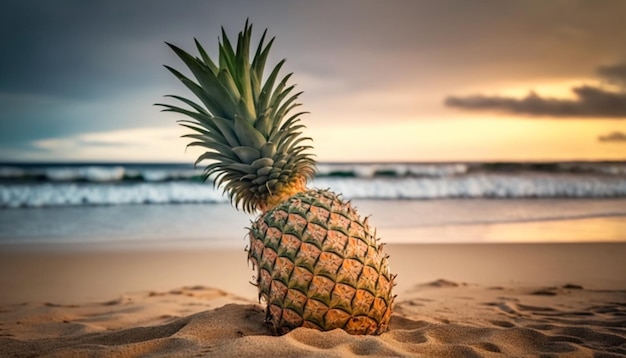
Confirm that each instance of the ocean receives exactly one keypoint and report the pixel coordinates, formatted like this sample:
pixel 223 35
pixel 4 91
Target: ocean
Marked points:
pixel 168 205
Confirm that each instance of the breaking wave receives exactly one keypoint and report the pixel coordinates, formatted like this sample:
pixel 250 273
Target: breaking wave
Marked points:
pixel 59 185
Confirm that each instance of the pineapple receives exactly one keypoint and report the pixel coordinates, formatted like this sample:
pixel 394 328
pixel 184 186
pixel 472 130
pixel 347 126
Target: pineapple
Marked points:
pixel 318 263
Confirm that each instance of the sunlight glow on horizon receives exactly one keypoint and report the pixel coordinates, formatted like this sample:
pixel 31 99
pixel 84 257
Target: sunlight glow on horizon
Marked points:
pixel 491 139
pixel 364 125
pixel 484 138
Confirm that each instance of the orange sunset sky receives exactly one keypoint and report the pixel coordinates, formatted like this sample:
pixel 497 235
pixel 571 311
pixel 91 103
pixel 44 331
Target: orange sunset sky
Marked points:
pixel 383 80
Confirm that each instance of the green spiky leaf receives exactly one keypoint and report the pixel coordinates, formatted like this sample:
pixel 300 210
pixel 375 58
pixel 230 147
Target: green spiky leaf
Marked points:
pixel 242 119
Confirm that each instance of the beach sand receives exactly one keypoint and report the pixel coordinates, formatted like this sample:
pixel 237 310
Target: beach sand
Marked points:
pixel 457 300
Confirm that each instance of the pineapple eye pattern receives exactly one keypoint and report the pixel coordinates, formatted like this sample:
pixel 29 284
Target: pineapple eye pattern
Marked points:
pixel 333 280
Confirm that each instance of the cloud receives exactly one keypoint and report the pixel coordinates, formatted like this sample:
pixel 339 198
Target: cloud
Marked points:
pixel 590 101
pixel 613 137
pixel 160 144
pixel 615 74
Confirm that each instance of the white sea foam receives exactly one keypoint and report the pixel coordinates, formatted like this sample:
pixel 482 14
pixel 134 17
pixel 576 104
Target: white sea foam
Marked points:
pixel 89 173
pixel 30 195
pixel 478 185
pixel 172 172
pixel 364 170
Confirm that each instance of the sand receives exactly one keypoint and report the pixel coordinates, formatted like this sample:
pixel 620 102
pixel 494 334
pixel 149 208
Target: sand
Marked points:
pixel 506 300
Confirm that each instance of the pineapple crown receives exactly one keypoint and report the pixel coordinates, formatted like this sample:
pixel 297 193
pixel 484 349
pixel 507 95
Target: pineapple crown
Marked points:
pixel 255 150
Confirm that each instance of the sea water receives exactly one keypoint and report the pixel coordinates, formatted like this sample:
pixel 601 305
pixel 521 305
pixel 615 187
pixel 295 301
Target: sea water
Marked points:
pixel 168 205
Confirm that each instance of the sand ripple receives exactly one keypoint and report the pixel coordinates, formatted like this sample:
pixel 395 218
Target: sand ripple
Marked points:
pixel 438 319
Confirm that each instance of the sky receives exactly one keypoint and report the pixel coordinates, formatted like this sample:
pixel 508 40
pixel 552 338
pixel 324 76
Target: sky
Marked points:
pixel 395 80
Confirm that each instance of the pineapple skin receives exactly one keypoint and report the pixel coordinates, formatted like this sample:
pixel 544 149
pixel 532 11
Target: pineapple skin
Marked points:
pixel 319 265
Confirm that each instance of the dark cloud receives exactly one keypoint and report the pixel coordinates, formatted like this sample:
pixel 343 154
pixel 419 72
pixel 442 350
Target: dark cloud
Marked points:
pixel 77 49
pixel 590 102
pixel 69 67
pixel 613 137
pixel 615 74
